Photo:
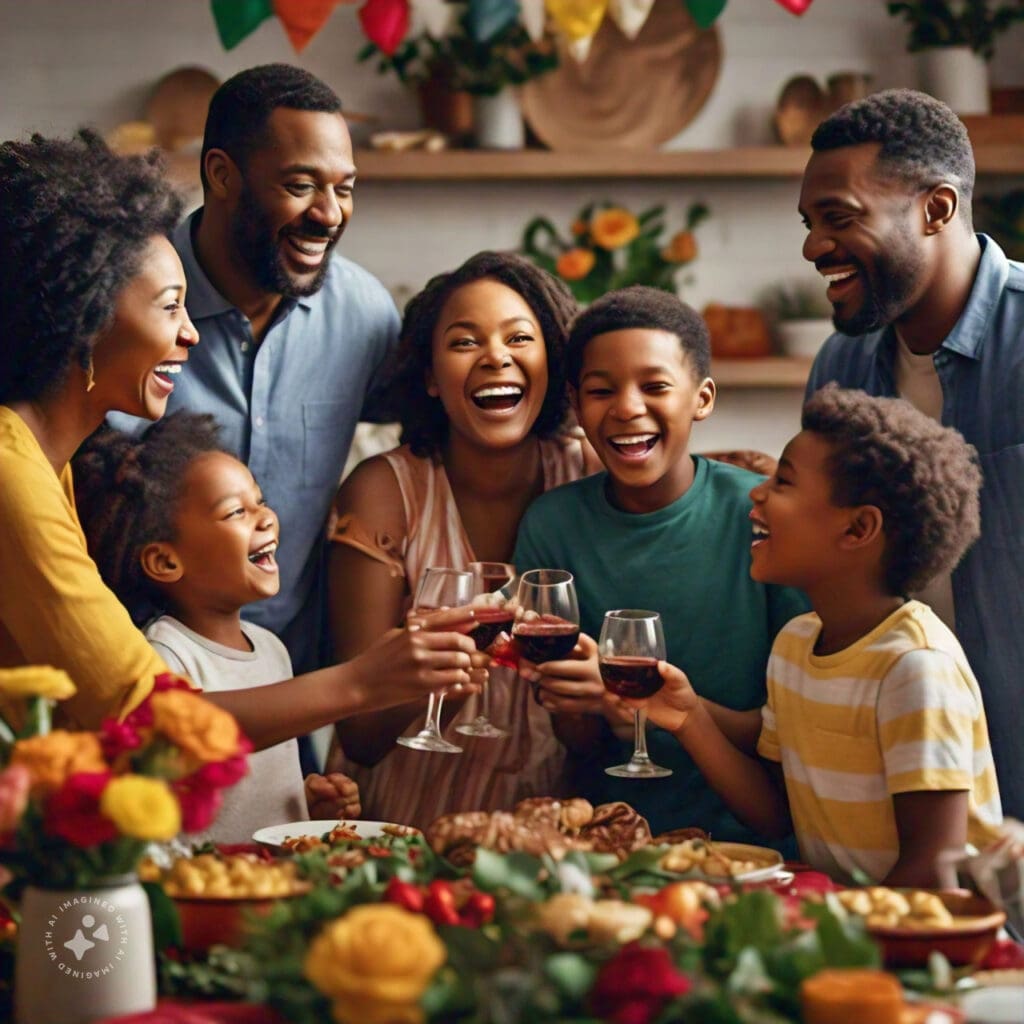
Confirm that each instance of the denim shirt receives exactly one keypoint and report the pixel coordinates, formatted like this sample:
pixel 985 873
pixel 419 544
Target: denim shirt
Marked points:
pixel 288 407
pixel 980 365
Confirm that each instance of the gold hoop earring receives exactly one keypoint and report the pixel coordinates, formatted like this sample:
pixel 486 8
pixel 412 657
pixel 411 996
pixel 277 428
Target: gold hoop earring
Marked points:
pixel 90 380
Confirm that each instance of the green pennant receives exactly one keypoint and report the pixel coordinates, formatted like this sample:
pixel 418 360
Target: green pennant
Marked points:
pixel 705 12
pixel 235 19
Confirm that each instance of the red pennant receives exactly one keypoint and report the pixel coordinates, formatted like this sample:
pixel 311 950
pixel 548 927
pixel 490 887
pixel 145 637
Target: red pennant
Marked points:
pixel 385 23
pixel 302 19
pixel 795 6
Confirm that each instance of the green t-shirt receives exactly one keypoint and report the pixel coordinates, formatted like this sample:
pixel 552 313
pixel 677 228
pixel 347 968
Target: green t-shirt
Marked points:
pixel 689 561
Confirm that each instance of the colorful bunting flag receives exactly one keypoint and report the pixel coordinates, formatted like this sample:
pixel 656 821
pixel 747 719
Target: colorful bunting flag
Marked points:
pixel 533 16
pixel 795 6
pixel 437 18
pixel 235 19
pixel 577 19
pixel 629 15
pixel 385 23
pixel 302 19
pixel 486 18
pixel 705 12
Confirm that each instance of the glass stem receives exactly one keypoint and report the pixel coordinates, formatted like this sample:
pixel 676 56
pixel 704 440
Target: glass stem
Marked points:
pixel 485 699
pixel 433 726
pixel 640 736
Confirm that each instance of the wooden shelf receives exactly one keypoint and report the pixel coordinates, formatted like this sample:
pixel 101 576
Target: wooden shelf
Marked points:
pixel 770 372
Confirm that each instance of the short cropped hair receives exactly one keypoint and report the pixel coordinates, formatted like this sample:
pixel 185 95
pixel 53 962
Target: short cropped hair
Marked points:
pixel 641 307
pixel 240 109
pixel 423 417
pixel 75 220
pixel 128 490
pixel 923 143
pixel 922 476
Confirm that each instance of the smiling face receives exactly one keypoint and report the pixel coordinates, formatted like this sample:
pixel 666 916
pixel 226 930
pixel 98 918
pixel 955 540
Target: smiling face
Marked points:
pixel 798 531
pixel 139 356
pixel 489 364
pixel 637 400
pixel 226 537
pixel 864 237
pixel 295 201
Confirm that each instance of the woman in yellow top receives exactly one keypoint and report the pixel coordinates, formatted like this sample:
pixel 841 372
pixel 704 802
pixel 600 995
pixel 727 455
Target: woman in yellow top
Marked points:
pixel 92 315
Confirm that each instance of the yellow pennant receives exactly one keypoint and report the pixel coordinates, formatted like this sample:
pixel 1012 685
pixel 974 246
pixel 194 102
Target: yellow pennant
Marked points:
pixel 577 19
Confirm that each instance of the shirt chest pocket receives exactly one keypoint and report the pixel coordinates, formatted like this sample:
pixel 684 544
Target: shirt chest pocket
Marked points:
pixel 324 429
pixel 854 752
pixel 1002 498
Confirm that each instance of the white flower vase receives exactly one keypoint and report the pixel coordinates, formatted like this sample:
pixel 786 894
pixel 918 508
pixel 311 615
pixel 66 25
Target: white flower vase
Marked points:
pixel 957 76
pixel 498 121
pixel 84 954
pixel 803 338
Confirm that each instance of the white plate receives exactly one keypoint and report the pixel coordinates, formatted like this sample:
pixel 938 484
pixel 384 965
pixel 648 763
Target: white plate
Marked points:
pixel 771 859
pixel 275 835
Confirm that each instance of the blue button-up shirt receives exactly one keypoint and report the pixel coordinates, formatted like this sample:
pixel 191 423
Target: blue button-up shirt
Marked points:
pixel 981 367
pixel 288 407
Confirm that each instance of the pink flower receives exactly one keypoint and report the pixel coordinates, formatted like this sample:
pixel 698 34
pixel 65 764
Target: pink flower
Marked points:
pixel 117 738
pixel 14 786
pixel 73 812
pixel 199 805
pixel 633 987
pixel 219 774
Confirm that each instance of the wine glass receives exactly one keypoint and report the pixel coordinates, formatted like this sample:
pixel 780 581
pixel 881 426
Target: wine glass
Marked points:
pixel 628 652
pixel 438 588
pixel 493 615
pixel 547 618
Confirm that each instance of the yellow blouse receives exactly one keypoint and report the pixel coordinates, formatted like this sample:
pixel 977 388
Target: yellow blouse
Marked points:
pixel 54 607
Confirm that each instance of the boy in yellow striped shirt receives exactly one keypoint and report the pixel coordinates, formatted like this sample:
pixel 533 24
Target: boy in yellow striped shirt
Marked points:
pixel 873 712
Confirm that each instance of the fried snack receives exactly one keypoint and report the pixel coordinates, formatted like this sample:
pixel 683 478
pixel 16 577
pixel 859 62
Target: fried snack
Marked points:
pixel 616 828
pixel 303 844
pixel 235 876
pixel 882 907
pixel 680 835
pixel 568 816
pixel 704 856
pixel 400 831
pixel 343 832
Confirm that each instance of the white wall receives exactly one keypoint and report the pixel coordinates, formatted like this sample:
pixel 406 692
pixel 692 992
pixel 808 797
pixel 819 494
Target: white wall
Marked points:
pixel 66 62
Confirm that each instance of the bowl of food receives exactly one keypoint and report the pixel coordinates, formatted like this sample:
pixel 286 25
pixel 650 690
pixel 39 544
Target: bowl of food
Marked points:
pixel 216 896
pixel 910 924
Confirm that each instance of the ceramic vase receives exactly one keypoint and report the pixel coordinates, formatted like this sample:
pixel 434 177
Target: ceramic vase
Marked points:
pixel 498 121
pixel 84 954
pixel 957 76
pixel 803 338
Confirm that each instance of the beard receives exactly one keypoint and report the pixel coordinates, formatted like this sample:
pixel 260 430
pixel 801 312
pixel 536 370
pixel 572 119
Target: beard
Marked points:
pixel 888 286
pixel 259 249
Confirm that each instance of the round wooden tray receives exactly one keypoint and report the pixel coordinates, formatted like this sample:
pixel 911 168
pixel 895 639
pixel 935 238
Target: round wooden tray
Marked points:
pixel 177 106
pixel 629 94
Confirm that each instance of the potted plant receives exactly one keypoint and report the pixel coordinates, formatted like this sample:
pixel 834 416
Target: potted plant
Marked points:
pixel 802 316
pixel 956 38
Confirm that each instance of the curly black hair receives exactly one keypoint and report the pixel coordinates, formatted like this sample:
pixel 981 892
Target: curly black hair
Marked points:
pixel 423 418
pixel 240 108
pixel 922 476
pixel 127 491
pixel 75 219
pixel 640 307
pixel 923 142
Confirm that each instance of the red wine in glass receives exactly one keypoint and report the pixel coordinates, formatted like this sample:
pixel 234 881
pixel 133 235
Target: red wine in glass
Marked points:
pixel 628 676
pixel 490 623
pixel 548 638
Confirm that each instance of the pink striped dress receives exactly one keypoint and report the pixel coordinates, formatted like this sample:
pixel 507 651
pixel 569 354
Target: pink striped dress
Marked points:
pixel 414 787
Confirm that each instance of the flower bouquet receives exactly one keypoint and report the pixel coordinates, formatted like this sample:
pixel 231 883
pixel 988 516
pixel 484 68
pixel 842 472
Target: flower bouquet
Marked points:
pixel 608 247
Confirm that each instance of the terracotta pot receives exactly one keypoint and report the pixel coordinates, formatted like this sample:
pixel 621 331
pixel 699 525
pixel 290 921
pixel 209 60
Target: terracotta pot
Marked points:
pixel 445 109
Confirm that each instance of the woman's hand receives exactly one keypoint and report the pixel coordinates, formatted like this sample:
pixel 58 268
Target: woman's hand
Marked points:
pixel 332 796
pixel 672 705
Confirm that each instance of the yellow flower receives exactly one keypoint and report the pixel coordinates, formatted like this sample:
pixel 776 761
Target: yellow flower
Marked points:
pixel 681 249
pixel 141 807
pixel 50 759
pixel 198 727
pixel 375 963
pixel 36 681
pixel 574 264
pixel 614 228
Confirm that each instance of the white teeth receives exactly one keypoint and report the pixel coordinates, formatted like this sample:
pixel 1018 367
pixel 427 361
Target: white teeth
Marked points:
pixel 833 278
pixel 310 248
pixel 501 391
pixel 168 368
pixel 267 549
pixel 633 438
pixel 758 530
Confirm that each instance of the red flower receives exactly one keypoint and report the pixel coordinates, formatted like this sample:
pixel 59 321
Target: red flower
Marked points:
pixel 73 812
pixel 218 774
pixel 199 804
pixel 117 738
pixel 169 681
pixel 633 987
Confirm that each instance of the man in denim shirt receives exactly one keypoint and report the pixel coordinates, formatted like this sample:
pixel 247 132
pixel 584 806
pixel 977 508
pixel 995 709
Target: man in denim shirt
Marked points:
pixel 292 338
pixel 930 311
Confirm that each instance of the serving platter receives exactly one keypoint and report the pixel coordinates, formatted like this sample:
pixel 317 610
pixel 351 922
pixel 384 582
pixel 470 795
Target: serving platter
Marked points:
pixel 275 835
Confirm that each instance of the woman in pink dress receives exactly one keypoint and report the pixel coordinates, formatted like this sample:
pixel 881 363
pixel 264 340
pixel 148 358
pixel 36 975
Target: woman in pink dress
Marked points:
pixel 480 393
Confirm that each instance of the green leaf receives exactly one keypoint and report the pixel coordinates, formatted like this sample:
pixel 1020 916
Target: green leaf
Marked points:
pixel 164 915
pixel 572 974
pixel 516 872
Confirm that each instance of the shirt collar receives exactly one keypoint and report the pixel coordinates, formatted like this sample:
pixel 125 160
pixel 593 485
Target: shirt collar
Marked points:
pixel 969 332
pixel 203 298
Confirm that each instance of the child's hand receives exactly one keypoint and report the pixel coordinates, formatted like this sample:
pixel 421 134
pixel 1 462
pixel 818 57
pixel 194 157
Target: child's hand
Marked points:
pixel 332 796
pixel 672 705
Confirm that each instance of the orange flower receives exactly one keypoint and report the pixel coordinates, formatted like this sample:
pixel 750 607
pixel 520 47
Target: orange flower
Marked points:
pixel 50 759
pixel 614 228
pixel 579 227
pixel 198 727
pixel 574 264
pixel 681 249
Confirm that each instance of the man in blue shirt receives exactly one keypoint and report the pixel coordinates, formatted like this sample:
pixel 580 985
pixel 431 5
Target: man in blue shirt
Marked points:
pixel 930 311
pixel 292 338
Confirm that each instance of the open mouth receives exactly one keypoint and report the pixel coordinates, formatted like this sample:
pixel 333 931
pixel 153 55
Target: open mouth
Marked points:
pixel 166 372
pixel 839 283
pixel 759 533
pixel 263 558
pixel 498 397
pixel 309 250
pixel 633 445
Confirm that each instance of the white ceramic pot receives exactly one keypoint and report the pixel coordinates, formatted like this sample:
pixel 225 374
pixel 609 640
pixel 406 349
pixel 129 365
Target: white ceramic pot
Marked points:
pixel 957 76
pixel 803 337
pixel 84 954
pixel 498 121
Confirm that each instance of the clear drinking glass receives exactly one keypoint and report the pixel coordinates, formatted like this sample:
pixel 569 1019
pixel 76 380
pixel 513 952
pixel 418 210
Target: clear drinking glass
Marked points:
pixel 628 652
pixel 438 588
pixel 494 615
pixel 547 623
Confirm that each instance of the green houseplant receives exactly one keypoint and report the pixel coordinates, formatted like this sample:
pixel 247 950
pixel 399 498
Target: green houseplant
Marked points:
pixel 972 23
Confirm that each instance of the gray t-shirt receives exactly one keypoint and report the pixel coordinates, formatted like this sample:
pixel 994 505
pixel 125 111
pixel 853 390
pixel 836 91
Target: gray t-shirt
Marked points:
pixel 272 793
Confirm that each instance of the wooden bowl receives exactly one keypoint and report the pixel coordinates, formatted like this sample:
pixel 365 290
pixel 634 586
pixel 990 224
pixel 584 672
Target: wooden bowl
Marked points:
pixel 976 922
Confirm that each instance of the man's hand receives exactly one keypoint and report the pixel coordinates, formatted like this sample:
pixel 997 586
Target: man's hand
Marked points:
pixel 332 796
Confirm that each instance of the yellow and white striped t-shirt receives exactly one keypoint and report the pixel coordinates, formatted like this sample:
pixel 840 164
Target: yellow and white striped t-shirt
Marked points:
pixel 899 711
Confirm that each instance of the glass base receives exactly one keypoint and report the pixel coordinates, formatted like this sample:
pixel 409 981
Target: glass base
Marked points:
pixel 428 741
pixel 483 728
pixel 639 768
